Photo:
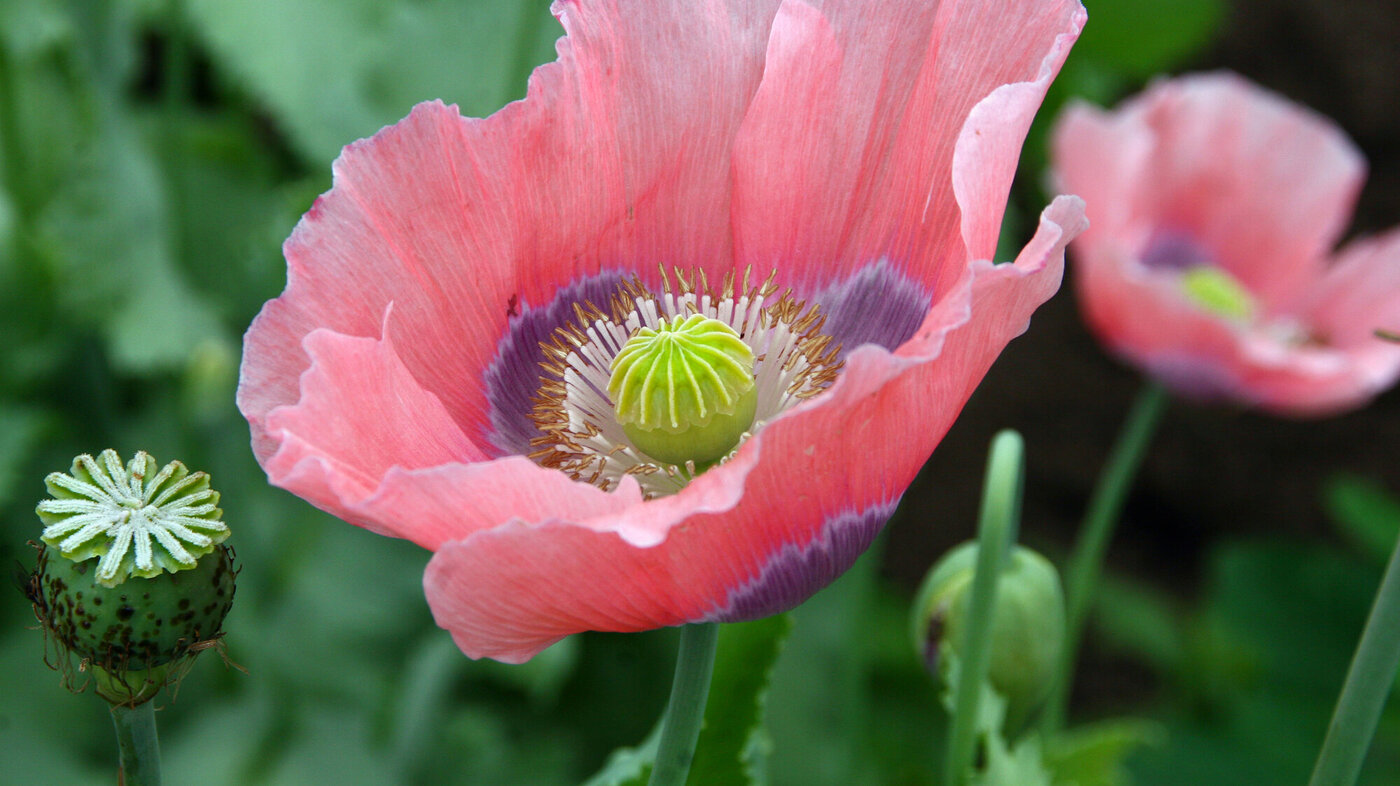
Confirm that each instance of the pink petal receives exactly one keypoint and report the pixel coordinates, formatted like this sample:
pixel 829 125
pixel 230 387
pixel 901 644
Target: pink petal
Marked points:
pixel 846 154
pixel 1266 186
pixel 1105 155
pixel 619 157
pixel 510 591
pixel 360 414
pixel 366 443
pixel 1360 292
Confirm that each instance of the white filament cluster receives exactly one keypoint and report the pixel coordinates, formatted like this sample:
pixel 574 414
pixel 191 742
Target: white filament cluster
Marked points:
pixel 138 520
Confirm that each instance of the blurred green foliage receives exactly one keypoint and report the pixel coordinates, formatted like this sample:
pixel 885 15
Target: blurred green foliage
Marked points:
pixel 1251 672
pixel 154 154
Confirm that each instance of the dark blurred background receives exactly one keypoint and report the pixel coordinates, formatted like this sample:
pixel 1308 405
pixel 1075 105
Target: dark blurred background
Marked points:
pixel 156 153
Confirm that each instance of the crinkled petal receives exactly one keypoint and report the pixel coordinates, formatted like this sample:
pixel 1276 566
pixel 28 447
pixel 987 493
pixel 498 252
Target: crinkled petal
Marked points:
pixel 509 591
pixel 367 444
pixel 619 156
pixel 847 153
pixel 360 414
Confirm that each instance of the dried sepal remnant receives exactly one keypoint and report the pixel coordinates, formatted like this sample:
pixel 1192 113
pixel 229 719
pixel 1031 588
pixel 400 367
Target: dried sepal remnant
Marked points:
pixel 577 417
pixel 137 519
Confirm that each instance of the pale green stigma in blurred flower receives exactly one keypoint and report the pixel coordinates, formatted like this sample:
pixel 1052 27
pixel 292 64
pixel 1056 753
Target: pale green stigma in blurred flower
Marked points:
pixel 685 390
pixel 139 521
pixel 1218 292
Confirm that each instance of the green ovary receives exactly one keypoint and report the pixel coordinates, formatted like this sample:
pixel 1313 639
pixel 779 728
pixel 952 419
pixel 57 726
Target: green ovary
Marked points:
pixel 1218 292
pixel 684 391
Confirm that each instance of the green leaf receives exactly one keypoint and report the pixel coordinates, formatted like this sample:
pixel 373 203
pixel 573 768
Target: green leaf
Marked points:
pixel 733 745
pixel 629 766
pixel 329 745
pixel 333 71
pixel 107 235
pixel 89 197
pixel 1136 619
pixel 1094 755
pixel 20 430
pixel 1264 661
pixel 991 707
pixel 1364 513
pixel 32 27
pixel 228 211
pixel 821 715
pixel 1019 766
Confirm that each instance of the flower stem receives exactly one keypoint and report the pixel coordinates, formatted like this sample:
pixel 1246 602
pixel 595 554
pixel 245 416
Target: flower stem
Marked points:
pixel 1367 686
pixel 996 533
pixel 1086 562
pixel 137 745
pixel 686 710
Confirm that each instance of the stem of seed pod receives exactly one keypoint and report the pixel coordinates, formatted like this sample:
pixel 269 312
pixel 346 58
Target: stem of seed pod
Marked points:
pixel 1086 562
pixel 694 667
pixel 1367 687
pixel 137 744
pixel 996 533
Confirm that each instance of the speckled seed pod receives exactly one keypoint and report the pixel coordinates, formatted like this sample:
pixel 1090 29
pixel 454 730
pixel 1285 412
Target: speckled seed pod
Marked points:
pixel 132 635
pixel 133 577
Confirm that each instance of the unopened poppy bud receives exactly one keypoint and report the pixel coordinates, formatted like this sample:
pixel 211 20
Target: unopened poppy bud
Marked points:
pixel 1028 623
pixel 685 390
pixel 133 579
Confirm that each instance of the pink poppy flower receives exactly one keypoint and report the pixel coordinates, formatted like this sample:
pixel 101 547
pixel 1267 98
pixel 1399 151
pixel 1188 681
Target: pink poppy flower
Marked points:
pixel 853 156
pixel 1214 207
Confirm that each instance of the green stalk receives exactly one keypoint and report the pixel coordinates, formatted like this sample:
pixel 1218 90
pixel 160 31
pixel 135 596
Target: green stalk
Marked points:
pixel 137 745
pixel 996 533
pixel 1086 562
pixel 1367 686
pixel 694 666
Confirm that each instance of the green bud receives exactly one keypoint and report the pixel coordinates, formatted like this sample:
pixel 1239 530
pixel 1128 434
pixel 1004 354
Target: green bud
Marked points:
pixel 134 580
pixel 684 391
pixel 1028 624
pixel 1216 291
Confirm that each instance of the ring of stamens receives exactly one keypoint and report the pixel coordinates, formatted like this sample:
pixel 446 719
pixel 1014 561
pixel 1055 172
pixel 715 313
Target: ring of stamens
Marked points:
pixel 579 432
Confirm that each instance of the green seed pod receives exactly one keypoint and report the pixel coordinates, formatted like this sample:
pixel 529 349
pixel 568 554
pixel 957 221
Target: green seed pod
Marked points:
pixel 134 580
pixel 1028 624
pixel 685 390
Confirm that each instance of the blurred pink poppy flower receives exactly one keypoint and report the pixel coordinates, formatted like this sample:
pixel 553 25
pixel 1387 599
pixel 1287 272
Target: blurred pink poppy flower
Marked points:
pixel 1214 208
pixel 860 154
